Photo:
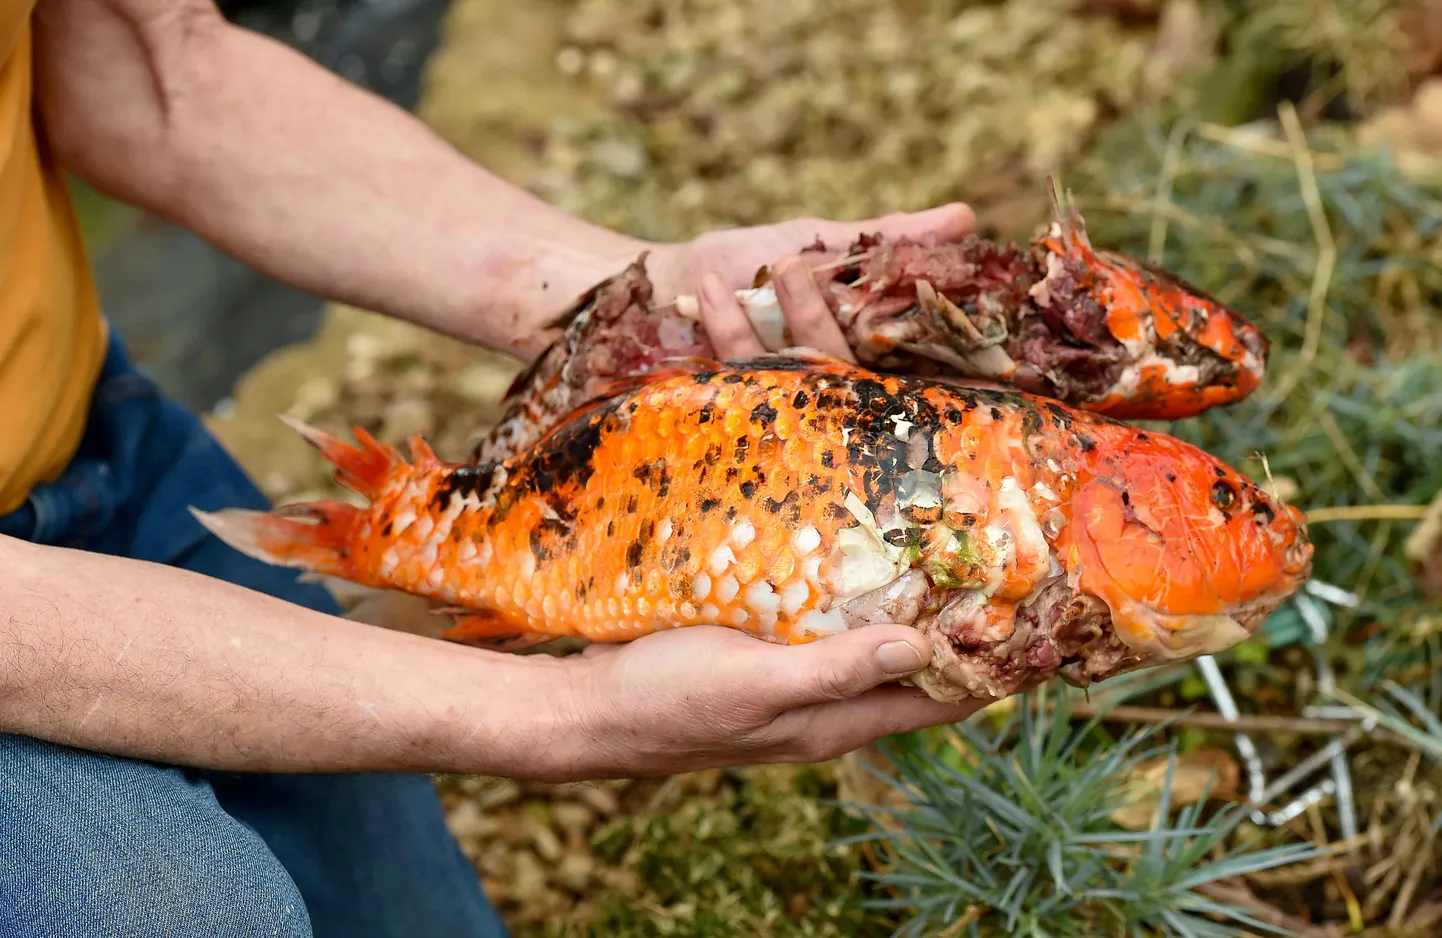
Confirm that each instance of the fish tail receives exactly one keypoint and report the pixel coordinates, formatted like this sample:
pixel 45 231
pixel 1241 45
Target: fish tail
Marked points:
pixel 362 469
pixel 311 537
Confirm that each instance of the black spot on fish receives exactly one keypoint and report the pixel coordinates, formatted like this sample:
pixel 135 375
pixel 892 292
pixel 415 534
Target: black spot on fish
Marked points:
pixel 800 400
pixel 632 504
pixel 1126 499
pixel 772 506
pixel 836 512
pixel 748 489
pixel 995 414
pixel 731 513
pixel 610 529
pixel 897 537
pixel 828 460
pixel 633 555
pixel 679 586
pixel 704 377
pixel 1059 415
pixel 386 528
pixel 709 504
pixel 463 481
pixel 704 414
pixel 743 446
pixel 732 473
pixel 1171 477
pixel 712 454
pixel 764 414
pixel 600 502
pixel 545 536
pixel 1086 443
pixel 733 378
pixel 1030 422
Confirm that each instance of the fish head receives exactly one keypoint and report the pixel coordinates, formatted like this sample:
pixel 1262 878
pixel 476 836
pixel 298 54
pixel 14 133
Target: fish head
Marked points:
pixel 1175 349
pixel 1189 555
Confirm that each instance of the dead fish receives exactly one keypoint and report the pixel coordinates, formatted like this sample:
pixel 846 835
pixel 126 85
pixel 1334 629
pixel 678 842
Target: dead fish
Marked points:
pixel 795 496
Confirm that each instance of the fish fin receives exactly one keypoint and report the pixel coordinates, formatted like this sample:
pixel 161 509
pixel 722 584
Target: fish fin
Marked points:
pixel 363 468
pixel 422 456
pixel 311 537
pixel 798 358
pixel 485 629
pixel 1067 222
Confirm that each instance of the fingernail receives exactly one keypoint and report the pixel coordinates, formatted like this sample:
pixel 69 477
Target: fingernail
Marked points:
pixel 898 658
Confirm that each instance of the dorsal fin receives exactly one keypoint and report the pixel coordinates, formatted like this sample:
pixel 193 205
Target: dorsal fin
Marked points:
pixel 798 358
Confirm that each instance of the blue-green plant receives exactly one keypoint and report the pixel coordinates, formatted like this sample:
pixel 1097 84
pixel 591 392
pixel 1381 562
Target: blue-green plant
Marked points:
pixel 1018 837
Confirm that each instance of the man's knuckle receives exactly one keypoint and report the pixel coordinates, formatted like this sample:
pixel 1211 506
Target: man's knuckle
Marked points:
pixel 835 680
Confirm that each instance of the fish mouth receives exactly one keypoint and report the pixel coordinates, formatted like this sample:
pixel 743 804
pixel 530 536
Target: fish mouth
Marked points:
pixel 1161 638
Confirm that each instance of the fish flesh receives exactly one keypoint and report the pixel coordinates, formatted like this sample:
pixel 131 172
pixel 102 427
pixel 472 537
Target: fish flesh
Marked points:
pixel 1091 328
pixel 794 496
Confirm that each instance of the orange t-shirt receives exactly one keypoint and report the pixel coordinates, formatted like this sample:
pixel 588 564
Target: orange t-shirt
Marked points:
pixel 52 336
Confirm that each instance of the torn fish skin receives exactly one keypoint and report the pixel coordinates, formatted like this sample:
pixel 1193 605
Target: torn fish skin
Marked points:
pixel 1094 329
pixel 795 496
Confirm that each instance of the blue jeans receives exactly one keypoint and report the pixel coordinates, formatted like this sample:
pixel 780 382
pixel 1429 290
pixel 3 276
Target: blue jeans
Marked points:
pixel 92 845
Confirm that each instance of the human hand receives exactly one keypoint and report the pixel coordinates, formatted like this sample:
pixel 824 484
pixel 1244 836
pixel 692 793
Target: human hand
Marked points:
pixel 716 264
pixel 707 696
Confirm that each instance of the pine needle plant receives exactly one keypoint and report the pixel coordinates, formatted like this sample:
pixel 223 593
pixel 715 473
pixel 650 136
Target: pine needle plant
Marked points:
pixel 1012 832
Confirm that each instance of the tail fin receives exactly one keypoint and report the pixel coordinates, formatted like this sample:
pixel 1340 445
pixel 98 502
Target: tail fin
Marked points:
pixel 363 468
pixel 311 537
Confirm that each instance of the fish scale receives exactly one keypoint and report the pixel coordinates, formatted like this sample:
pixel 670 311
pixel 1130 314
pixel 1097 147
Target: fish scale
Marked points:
pixel 795 496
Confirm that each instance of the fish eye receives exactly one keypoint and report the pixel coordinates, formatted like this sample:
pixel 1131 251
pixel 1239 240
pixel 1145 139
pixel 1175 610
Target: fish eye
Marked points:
pixel 1224 496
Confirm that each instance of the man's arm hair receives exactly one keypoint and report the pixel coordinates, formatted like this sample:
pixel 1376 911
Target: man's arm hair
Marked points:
pixel 309 178
pixel 153 662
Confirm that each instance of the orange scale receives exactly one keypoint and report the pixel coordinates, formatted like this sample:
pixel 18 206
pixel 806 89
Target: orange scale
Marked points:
pixel 655 582
pixel 736 422
pixel 749 566
pixel 788 421
pixel 666 422
pixel 783 563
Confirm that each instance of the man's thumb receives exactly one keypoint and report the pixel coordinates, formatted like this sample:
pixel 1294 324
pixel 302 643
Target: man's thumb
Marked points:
pixel 847 665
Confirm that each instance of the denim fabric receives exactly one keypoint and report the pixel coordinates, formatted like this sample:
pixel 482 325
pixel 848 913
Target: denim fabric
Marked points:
pixel 92 845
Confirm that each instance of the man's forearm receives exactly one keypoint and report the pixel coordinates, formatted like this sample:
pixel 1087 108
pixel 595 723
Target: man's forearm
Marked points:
pixel 153 662
pixel 304 176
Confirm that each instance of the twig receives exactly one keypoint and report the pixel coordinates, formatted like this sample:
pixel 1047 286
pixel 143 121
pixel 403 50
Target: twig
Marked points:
pixel 1235 894
pixel 1326 252
pixel 1367 513
pixel 1348 454
pixel 1215 721
pixel 1157 241
pixel 1263 146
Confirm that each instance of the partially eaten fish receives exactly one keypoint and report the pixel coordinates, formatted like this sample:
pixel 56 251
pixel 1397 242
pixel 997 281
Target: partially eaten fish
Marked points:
pixel 795 496
pixel 1094 329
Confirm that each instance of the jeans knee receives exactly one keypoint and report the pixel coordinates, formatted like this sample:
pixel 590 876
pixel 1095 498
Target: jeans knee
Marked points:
pixel 98 846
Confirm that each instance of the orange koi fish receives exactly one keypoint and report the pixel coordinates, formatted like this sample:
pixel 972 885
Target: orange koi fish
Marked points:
pixel 795 496
pixel 1091 328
